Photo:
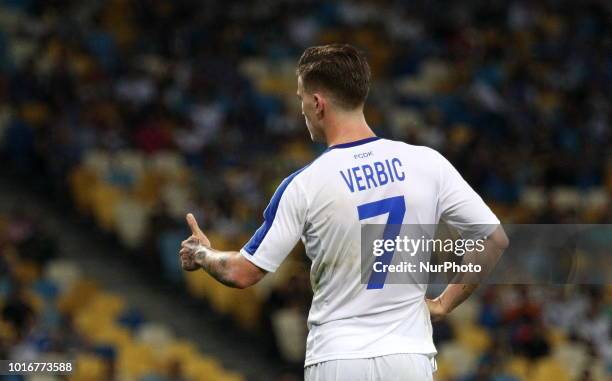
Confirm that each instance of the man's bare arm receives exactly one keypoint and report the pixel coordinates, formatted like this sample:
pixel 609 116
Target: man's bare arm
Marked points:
pixel 228 267
pixel 457 293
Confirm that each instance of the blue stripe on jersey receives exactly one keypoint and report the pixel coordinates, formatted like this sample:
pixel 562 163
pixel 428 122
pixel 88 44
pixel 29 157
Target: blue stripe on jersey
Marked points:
pixel 269 214
pixel 355 143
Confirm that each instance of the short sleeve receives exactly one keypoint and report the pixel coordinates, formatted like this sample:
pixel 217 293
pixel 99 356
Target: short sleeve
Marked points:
pixel 284 220
pixel 460 206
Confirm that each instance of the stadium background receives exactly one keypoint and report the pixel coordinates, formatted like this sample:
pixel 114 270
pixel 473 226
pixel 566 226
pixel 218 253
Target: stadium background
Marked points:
pixel 117 117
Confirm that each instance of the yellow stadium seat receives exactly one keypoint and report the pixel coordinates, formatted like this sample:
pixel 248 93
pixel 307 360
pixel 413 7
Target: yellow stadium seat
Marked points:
pixel 246 308
pixel 243 305
pixel 204 369
pixel 198 284
pixel 98 316
pixel 298 152
pixel 222 298
pixel 445 370
pixel 556 336
pixel 136 360
pixel 147 189
pixel 111 334
pixel 79 294
pixel 549 369
pixel 219 240
pixel 460 360
pixel 88 368
pixel 181 351
pixel 201 284
pixel 88 323
pixel 518 367
pixel 474 338
pixel 106 304
pixel 82 180
pixel 105 198
pixel 275 85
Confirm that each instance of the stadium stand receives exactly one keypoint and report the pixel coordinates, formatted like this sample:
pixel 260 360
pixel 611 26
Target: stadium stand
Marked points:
pixel 141 111
pixel 50 311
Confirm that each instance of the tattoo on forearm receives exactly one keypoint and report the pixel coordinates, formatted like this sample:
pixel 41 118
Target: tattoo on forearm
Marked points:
pixel 216 264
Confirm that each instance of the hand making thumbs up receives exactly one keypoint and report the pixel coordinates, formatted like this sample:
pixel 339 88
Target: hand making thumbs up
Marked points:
pixel 189 247
pixel 196 231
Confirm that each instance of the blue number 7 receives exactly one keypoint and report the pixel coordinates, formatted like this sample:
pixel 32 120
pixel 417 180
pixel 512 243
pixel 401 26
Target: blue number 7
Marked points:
pixel 396 207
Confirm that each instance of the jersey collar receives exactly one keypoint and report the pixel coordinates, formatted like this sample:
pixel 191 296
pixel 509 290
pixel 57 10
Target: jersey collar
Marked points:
pixel 354 144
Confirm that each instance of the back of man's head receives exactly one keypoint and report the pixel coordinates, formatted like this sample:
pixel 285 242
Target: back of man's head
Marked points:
pixel 339 69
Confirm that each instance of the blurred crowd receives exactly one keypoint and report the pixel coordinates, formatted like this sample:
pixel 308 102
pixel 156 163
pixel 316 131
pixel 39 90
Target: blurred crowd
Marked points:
pixel 535 333
pixel 516 94
pixel 50 312
pixel 139 111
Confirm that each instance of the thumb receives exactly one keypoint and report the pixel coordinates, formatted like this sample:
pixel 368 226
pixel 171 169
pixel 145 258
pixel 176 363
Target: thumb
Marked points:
pixel 193 225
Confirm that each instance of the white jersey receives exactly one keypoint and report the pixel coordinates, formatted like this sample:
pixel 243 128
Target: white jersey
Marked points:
pixel 372 180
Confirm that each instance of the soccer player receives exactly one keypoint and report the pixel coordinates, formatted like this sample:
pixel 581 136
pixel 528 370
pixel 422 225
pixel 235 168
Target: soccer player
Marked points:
pixel 356 331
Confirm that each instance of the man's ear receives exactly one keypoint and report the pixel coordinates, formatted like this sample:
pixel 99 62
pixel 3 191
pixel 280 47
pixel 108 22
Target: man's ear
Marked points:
pixel 319 105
